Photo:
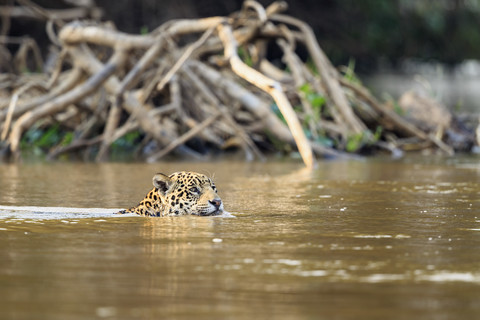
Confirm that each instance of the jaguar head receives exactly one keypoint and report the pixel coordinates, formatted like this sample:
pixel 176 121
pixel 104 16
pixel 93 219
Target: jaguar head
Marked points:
pixel 185 193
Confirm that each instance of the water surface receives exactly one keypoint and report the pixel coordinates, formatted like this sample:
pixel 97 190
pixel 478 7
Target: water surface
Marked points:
pixel 376 239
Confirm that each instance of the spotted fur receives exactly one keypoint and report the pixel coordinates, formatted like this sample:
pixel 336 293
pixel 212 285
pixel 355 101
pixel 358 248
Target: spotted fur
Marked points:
pixel 181 193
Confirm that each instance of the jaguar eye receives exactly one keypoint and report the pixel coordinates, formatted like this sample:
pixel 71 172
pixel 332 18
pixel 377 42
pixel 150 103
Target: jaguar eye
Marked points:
pixel 195 190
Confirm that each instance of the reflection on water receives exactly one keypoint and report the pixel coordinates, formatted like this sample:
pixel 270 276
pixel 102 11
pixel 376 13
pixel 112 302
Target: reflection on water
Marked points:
pixel 350 240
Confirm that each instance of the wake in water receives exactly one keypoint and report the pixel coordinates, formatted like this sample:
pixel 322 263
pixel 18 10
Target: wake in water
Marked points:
pixel 54 213
pixel 60 213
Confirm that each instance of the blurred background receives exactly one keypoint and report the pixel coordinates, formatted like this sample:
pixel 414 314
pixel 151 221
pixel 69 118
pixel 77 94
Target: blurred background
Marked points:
pixel 397 45
pixel 431 46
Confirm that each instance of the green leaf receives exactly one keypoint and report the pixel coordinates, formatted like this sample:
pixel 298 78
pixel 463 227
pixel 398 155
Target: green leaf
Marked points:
pixel 128 141
pixel 144 30
pixel 50 137
pixel 357 141
pixel 245 56
pixel 354 142
pixel 67 139
pixel 397 109
pixel 378 134
pixel 317 101
pixel 305 88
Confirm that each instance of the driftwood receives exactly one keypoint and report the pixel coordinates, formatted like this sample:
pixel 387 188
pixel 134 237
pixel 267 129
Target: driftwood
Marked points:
pixel 205 80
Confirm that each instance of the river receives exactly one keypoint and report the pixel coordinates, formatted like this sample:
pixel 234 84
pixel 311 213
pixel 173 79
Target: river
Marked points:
pixel 372 239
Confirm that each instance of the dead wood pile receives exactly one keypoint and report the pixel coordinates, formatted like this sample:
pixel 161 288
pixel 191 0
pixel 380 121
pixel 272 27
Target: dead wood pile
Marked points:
pixel 206 79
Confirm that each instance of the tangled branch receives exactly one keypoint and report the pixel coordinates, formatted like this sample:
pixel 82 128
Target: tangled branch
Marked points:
pixel 202 82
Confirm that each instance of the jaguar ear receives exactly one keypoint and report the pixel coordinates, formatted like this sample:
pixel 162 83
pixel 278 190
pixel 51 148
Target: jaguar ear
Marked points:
pixel 162 183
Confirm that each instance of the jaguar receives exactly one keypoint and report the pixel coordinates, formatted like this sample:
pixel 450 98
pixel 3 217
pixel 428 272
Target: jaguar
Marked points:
pixel 180 193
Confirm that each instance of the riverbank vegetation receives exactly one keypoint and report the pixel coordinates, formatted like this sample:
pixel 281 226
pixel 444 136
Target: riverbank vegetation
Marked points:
pixel 196 87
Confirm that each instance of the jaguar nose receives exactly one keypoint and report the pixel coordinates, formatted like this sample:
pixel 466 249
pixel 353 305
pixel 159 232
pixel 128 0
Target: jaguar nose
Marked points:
pixel 216 202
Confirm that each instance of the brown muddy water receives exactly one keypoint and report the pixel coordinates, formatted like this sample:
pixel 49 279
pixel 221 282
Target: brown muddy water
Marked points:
pixel 374 239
